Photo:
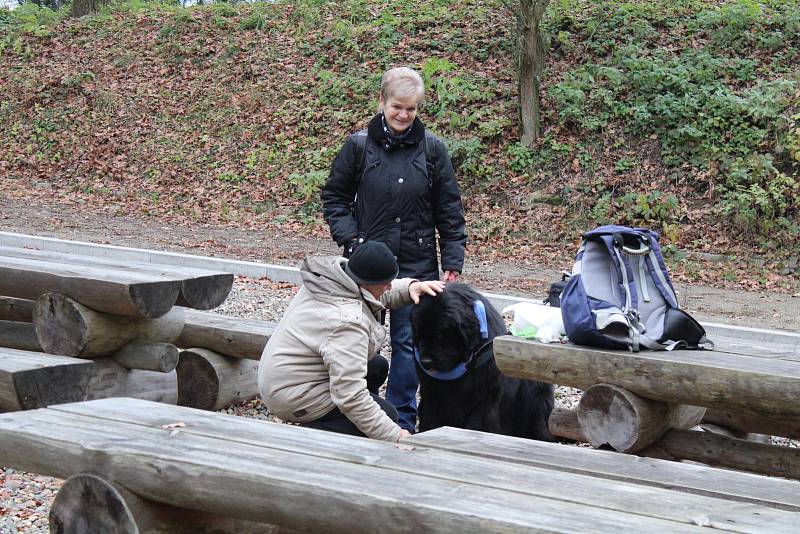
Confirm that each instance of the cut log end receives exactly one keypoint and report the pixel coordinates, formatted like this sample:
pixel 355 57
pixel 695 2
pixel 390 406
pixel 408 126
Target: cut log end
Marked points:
pixel 198 381
pixel 60 325
pixel 206 292
pixel 612 415
pixel 88 503
pixel 154 299
pixel 148 356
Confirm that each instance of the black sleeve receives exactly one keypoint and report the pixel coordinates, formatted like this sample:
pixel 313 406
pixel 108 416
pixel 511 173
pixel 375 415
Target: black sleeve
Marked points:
pixel 338 194
pixel 448 211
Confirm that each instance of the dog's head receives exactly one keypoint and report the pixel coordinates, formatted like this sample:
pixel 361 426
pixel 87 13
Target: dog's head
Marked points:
pixel 447 330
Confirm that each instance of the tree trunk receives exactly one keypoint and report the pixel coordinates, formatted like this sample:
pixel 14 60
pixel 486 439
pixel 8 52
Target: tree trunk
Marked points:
pixel 64 326
pixel 612 415
pixel 530 60
pixel 209 381
pixel 753 424
pixel 81 8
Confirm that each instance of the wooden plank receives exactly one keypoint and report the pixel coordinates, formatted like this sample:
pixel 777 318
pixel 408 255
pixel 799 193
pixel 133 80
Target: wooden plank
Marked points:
pixel 715 330
pixel 306 492
pixel 12 309
pixel 689 478
pixel 535 481
pixel 230 336
pixel 100 288
pixel 31 380
pixel 201 289
pixel 701 378
pixel 758 349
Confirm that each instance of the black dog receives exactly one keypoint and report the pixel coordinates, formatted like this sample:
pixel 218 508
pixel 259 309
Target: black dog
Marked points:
pixel 460 384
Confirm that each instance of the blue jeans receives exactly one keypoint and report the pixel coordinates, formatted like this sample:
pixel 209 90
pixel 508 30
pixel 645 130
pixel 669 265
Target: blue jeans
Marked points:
pixel 401 391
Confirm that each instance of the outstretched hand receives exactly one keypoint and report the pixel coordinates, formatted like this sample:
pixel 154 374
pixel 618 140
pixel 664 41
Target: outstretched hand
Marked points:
pixel 450 276
pixel 416 289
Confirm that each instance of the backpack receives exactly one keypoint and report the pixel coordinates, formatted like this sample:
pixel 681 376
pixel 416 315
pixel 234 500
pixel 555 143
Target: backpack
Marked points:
pixel 620 295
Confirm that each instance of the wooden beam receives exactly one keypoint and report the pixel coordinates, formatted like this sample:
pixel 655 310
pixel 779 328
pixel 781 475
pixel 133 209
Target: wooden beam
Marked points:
pixel 31 380
pixel 110 379
pixel 100 288
pixel 64 326
pixel 323 481
pixel 757 385
pixel 201 289
pixel 148 356
pixel 12 309
pixel 19 335
pixel 230 336
pixel 722 451
pixel 611 415
pixel 90 503
pixel 210 381
pixel 746 423
pixel 731 486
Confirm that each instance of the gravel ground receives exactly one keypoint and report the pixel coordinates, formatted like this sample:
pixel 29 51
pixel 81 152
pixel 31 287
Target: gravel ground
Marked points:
pixel 25 498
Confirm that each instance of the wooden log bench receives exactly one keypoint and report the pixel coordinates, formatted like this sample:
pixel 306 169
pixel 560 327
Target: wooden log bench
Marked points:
pixel 646 402
pixel 30 380
pixel 182 459
pixel 201 289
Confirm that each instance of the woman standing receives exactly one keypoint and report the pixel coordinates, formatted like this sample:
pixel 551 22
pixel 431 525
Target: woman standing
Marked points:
pixel 394 182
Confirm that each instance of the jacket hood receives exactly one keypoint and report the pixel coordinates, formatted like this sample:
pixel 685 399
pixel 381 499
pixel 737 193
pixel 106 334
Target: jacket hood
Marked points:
pixel 325 276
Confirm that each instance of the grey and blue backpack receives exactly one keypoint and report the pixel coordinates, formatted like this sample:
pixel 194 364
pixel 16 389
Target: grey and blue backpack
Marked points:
pixel 620 295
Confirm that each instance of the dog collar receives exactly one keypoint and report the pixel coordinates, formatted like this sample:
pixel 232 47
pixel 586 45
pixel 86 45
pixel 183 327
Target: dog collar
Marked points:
pixel 481 356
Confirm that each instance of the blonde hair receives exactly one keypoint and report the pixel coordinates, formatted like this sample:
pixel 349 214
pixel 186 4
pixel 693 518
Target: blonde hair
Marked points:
pixel 402 82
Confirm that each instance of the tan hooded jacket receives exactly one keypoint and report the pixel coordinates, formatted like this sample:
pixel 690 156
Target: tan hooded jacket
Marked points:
pixel 317 357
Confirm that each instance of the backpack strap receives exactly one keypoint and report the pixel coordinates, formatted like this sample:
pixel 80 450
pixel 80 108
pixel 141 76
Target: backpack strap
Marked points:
pixel 360 138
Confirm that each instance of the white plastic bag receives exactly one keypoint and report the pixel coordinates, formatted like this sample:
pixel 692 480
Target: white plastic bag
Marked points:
pixel 537 321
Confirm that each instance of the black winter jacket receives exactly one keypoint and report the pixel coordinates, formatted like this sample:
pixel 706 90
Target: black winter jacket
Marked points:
pixel 397 202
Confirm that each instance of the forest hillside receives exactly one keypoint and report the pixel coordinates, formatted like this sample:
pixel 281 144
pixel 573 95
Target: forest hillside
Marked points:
pixel 680 115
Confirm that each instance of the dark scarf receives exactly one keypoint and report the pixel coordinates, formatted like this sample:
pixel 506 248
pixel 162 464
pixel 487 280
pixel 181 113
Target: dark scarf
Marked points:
pixel 382 134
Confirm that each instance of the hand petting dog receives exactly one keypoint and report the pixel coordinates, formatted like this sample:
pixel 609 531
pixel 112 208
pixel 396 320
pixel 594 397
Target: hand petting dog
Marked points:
pixel 417 289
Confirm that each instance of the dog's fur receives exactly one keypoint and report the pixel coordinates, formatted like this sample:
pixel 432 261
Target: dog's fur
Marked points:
pixel 446 331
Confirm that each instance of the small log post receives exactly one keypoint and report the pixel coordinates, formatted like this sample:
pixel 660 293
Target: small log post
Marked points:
pixel 612 415
pixel 564 423
pixel 110 379
pixel 12 309
pixel 18 335
pixel 90 503
pixel 64 326
pixel 30 380
pixel 148 356
pixel 210 381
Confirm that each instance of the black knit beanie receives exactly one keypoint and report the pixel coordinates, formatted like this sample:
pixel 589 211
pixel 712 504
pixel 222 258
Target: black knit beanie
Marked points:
pixel 372 263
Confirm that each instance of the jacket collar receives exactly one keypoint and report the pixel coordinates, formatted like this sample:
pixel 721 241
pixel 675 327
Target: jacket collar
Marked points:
pixel 377 133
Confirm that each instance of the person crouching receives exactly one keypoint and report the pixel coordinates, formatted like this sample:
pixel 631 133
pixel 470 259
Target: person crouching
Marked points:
pixel 321 367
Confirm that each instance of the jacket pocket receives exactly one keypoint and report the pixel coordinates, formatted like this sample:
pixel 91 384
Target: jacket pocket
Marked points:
pixel 425 239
